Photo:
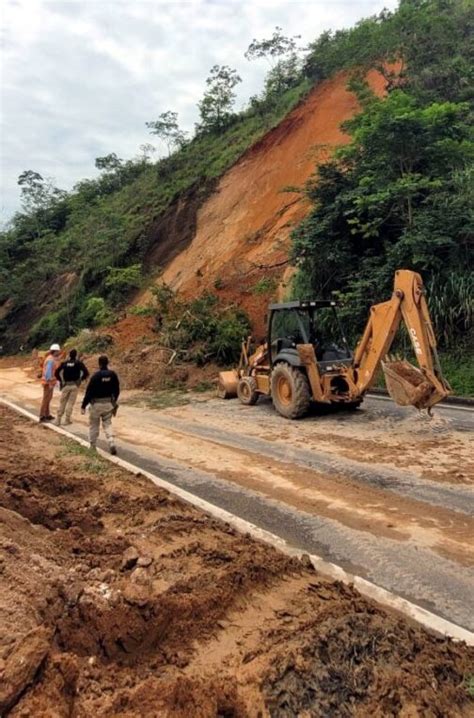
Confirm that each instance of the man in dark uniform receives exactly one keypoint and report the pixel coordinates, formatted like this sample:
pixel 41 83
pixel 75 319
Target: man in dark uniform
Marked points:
pixel 102 394
pixel 70 374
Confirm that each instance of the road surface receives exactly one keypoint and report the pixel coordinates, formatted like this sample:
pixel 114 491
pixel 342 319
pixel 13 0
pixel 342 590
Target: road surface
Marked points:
pixel 384 492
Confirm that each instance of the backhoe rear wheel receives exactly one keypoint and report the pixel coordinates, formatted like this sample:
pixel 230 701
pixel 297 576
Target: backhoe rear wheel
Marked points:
pixel 247 390
pixel 291 394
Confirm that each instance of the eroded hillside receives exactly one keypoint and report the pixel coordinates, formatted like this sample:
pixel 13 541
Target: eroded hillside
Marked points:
pixel 240 242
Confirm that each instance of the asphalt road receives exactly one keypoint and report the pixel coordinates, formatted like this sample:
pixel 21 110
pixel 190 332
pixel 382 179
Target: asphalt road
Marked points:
pixel 322 501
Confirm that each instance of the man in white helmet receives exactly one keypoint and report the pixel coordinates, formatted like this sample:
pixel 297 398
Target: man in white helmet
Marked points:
pixel 48 381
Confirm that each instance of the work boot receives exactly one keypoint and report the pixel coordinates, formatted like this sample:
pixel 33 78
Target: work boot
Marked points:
pixel 43 419
pixel 57 422
pixel 113 451
pixel 92 447
pixel 50 417
pixel 67 422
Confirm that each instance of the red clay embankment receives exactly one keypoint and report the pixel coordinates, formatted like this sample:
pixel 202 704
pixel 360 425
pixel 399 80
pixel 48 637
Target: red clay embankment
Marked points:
pixel 247 221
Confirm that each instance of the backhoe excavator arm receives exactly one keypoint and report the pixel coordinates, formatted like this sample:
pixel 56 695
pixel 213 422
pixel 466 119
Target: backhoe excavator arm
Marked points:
pixel 408 303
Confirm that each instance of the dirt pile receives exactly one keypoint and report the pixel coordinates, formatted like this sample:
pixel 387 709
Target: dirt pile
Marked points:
pixel 118 599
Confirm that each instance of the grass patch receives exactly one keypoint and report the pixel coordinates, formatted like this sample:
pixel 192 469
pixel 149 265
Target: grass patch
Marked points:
pixel 168 398
pixel 267 285
pixel 204 386
pixel 141 311
pixel 91 462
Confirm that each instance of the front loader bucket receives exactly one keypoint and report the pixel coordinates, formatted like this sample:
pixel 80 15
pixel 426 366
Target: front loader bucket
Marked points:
pixel 408 386
pixel 227 384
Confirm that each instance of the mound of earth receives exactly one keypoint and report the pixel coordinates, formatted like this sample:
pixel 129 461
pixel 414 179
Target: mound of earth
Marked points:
pixel 118 599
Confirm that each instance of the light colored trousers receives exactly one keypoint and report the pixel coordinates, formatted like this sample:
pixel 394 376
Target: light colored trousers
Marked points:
pixel 101 411
pixel 67 400
pixel 45 410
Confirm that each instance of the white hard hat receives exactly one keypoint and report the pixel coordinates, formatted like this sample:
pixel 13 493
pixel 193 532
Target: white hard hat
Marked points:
pixel 54 348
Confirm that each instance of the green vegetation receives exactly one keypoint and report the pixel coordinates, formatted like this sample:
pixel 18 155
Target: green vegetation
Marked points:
pixel 204 386
pixel 267 285
pixel 91 462
pixel 400 194
pixel 167 398
pixel 458 368
pixel 64 249
pixel 88 342
pixel 201 330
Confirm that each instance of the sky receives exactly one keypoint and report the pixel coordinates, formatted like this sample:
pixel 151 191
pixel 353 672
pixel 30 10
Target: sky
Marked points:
pixel 80 78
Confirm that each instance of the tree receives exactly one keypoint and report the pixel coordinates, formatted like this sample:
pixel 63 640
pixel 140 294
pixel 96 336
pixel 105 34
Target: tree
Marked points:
pixel 36 192
pixel 396 196
pixel 109 163
pixel 147 150
pixel 121 280
pixel 275 47
pixel 280 52
pixel 216 106
pixel 167 129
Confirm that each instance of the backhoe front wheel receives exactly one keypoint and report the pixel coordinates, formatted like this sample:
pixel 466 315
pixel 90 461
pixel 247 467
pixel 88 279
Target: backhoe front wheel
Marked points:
pixel 247 390
pixel 291 394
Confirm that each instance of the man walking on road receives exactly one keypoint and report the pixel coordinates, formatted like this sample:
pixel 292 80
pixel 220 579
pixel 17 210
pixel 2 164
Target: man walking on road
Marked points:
pixel 70 374
pixel 102 394
pixel 48 381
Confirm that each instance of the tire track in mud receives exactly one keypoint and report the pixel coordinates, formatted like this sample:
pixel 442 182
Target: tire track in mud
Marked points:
pixel 457 498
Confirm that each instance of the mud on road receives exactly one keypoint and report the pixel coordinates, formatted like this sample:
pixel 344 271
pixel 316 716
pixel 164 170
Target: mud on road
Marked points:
pixel 385 493
pixel 118 599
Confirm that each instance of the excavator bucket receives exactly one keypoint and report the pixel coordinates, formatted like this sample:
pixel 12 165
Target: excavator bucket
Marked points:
pixel 227 384
pixel 408 386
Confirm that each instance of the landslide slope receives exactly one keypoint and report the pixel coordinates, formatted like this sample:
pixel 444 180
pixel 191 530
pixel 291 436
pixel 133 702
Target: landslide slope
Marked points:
pixel 241 236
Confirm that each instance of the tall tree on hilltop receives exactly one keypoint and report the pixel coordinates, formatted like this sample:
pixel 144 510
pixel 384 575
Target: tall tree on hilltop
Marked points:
pixel 280 51
pixel 216 106
pixel 166 128
pixel 37 192
pixel 109 163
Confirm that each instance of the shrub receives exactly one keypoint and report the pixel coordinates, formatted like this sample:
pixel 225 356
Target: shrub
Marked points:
pixel 94 312
pixel 121 280
pixel 93 343
pixel 51 327
pixel 267 285
pixel 141 311
pixel 200 330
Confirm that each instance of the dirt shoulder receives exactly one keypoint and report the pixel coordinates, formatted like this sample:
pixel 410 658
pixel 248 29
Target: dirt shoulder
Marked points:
pixel 118 599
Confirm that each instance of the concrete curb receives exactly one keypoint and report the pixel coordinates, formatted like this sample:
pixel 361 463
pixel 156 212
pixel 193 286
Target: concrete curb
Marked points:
pixel 425 618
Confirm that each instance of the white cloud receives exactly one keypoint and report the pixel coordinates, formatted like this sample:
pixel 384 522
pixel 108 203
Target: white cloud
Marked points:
pixel 81 77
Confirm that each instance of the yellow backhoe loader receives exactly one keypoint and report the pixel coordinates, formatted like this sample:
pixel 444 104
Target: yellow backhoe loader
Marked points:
pixel 297 364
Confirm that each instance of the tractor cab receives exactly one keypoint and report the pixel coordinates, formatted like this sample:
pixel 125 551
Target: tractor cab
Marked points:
pixel 313 322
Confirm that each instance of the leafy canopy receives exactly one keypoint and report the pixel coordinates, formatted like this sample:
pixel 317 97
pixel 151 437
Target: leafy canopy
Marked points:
pixel 215 108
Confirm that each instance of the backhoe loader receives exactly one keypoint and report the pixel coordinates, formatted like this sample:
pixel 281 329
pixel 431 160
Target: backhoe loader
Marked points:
pixel 297 364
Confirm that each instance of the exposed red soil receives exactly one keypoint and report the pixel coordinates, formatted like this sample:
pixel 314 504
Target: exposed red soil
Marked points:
pixel 130 330
pixel 227 244
pixel 242 231
pixel 118 599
